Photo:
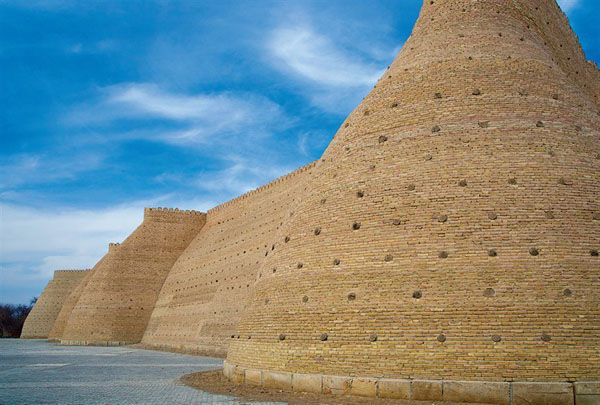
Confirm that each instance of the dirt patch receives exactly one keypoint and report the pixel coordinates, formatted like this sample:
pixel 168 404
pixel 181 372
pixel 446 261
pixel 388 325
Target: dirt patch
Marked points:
pixel 195 352
pixel 215 382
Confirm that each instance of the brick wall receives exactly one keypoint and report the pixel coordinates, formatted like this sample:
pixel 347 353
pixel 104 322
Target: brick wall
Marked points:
pixel 451 230
pixel 206 291
pixel 41 319
pixel 118 299
pixel 65 312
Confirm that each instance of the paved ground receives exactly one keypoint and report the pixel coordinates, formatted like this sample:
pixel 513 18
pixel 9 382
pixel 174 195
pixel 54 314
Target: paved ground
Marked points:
pixel 38 372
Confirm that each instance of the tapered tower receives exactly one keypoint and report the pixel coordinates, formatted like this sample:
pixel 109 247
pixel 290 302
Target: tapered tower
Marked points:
pixel 117 301
pixel 451 229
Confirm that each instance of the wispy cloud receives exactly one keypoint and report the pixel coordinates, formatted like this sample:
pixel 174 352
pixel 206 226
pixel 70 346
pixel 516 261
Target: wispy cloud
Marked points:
pixel 306 53
pixel 36 168
pixel 239 176
pixel 191 118
pixel 309 142
pixel 569 5
pixel 105 45
pixel 337 77
pixel 36 241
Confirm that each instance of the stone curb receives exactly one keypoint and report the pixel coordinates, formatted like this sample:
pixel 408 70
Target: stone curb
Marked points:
pixel 491 392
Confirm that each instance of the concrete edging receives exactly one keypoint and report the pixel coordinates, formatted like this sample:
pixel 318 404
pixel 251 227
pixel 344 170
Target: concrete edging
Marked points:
pixel 491 392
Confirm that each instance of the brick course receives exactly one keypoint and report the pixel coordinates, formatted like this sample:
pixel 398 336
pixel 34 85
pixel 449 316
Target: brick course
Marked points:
pixel 456 210
pixel 67 308
pixel 117 301
pixel 444 246
pixel 41 319
pixel 205 293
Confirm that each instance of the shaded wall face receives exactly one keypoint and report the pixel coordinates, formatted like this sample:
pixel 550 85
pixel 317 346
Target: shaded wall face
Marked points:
pixel 458 213
pixel 117 302
pixel 206 291
pixel 42 317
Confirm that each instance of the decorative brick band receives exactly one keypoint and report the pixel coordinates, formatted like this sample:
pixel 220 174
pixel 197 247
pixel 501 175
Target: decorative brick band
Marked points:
pixel 490 392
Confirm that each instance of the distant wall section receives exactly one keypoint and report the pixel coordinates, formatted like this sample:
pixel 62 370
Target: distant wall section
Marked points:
pixel 115 305
pixel 205 293
pixel 73 298
pixel 40 320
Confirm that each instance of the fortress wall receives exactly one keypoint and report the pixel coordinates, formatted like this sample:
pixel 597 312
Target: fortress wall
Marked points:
pixel 41 319
pixel 552 26
pixel 72 299
pixel 444 247
pixel 459 217
pixel 205 293
pixel 117 301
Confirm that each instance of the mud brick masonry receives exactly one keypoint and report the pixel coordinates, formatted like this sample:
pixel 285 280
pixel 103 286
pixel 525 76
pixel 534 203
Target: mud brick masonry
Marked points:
pixel 445 246
pixel 43 315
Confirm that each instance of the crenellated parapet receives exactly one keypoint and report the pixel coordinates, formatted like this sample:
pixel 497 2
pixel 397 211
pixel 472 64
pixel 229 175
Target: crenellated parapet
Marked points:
pixel 64 272
pixel 174 213
pixel 450 228
pixel 68 305
pixel 204 295
pixel 445 247
pixel 262 188
pixel 118 298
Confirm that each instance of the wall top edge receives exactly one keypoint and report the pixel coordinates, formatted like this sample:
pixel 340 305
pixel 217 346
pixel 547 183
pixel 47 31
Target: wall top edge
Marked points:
pixel 169 211
pixel 264 186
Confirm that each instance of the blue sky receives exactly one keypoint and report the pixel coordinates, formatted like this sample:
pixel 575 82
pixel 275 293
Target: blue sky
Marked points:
pixel 110 106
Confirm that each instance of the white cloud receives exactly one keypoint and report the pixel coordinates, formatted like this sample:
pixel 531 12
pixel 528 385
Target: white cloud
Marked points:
pixel 105 45
pixel 36 241
pixel 315 57
pixel 302 143
pixel 148 99
pixel 65 238
pixel 198 116
pixel 568 5
pixel 17 170
pixel 335 79
pixel 311 141
pixel 240 175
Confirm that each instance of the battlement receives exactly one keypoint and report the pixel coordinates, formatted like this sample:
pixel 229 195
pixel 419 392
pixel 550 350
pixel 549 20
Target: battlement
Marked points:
pixel 453 225
pixel 70 270
pixel 264 187
pixel 442 210
pixel 69 273
pixel 172 212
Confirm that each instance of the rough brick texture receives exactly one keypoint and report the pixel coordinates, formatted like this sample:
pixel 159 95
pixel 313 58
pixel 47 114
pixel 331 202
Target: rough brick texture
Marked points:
pixel 458 212
pixel 117 301
pixel 448 235
pixel 206 291
pixel 41 319
pixel 65 312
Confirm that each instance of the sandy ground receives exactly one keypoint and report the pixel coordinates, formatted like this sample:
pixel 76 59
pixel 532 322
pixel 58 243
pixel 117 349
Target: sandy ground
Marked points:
pixel 168 349
pixel 215 383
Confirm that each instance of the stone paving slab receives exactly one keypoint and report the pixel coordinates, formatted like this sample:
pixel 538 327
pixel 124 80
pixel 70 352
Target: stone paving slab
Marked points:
pixel 40 372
